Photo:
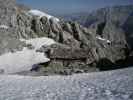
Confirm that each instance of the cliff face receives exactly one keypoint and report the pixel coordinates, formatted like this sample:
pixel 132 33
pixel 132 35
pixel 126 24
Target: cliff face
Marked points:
pixel 7 10
pixel 7 4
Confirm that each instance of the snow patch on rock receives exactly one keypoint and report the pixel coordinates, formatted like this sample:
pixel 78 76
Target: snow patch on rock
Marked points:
pixel 39 42
pixel 21 60
pixel 4 26
pixel 103 39
pixel 24 60
pixel 41 14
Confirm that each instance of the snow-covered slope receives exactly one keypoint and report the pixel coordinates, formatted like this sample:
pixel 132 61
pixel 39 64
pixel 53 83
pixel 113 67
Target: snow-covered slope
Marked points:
pixel 21 60
pixel 25 59
pixel 112 85
pixel 41 14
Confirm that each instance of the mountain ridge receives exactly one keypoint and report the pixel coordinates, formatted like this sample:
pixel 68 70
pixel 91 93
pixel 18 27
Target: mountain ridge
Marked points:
pixel 32 46
pixel 104 48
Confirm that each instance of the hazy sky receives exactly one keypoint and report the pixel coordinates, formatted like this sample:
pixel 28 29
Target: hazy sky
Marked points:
pixel 65 6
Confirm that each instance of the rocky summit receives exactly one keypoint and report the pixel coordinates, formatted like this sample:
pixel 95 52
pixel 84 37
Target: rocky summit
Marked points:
pixel 67 46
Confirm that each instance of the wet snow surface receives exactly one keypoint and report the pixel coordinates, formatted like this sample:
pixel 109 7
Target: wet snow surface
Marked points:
pixel 113 85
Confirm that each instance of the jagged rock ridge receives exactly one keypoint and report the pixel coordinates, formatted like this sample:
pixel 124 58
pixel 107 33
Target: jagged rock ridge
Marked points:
pixel 71 39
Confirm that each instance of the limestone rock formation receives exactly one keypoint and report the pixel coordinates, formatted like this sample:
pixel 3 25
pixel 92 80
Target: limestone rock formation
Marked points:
pixel 76 45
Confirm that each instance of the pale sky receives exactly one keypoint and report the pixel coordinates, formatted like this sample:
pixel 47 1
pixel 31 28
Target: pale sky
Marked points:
pixel 69 6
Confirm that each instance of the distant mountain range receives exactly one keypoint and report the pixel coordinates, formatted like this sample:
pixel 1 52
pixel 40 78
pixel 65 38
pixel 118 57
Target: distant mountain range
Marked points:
pixel 121 17
pixel 115 13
